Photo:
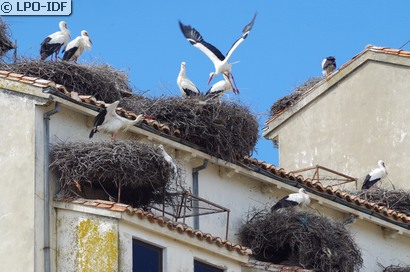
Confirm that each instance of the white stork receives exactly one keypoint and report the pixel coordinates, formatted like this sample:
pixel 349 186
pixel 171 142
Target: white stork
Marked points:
pixel 296 199
pixel 109 121
pixel 375 175
pixel 53 42
pixel 75 48
pixel 169 160
pixel 222 66
pixel 219 88
pixel 328 65
pixel 185 85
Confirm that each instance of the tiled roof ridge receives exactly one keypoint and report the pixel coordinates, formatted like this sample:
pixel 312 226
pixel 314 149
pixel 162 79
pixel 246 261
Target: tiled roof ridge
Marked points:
pixel 328 190
pixel 373 48
pixel 165 223
pixel 164 128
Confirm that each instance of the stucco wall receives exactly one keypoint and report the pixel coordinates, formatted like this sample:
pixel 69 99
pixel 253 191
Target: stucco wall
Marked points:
pixel 363 118
pixel 17 213
pixel 86 242
pixel 239 194
pixel 177 253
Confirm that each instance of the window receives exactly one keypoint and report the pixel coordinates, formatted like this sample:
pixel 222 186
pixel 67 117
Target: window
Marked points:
pixel 146 257
pixel 202 267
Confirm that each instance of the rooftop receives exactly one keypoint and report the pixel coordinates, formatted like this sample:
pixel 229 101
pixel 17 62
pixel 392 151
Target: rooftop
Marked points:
pixel 253 164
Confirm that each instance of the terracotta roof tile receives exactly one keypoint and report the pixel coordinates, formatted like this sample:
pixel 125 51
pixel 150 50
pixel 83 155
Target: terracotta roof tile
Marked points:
pixel 372 48
pixel 319 187
pixel 163 222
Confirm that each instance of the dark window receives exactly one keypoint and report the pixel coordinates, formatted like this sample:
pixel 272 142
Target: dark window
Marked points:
pixel 146 257
pixel 202 267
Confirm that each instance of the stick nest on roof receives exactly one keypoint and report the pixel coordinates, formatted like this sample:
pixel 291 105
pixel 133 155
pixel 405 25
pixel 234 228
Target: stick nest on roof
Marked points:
pixel 101 81
pixel 226 130
pixel 302 239
pixel 5 38
pixel 396 268
pixel 398 200
pixel 288 101
pixel 139 169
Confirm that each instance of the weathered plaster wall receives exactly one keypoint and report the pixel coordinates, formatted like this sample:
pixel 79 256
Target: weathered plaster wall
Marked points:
pixel 178 253
pixel 17 212
pixel 86 242
pixel 360 120
pixel 238 193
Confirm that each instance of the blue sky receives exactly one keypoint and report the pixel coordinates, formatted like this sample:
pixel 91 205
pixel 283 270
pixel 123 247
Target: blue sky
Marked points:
pixel 285 47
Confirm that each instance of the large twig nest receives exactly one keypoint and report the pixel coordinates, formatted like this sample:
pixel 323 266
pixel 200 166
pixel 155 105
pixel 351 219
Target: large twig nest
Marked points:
pixel 5 38
pixel 396 268
pixel 289 100
pixel 398 200
pixel 226 130
pixel 301 239
pixel 102 80
pixel 139 169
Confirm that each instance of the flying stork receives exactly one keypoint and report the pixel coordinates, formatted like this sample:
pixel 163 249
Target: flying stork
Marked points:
pixel 328 65
pixel 375 175
pixel 109 121
pixel 219 88
pixel 222 66
pixel 185 85
pixel 53 42
pixel 75 48
pixel 296 199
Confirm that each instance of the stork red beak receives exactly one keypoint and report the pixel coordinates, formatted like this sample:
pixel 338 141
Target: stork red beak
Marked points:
pixel 235 91
pixel 210 79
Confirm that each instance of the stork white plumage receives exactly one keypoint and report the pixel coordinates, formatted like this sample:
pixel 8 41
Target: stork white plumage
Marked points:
pixel 75 48
pixel 169 160
pixel 375 175
pixel 186 86
pixel 328 65
pixel 221 62
pixel 110 122
pixel 219 88
pixel 292 200
pixel 54 42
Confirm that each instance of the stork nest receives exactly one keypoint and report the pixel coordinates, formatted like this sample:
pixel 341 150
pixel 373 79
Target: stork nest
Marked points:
pixel 398 200
pixel 5 38
pixel 396 268
pixel 130 172
pixel 288 101
pixel 102 80
pixel 227 130
pixel 301 239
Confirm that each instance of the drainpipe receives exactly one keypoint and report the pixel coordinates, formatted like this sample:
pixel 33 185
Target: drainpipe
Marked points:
pixel 46 119
pixel 195 189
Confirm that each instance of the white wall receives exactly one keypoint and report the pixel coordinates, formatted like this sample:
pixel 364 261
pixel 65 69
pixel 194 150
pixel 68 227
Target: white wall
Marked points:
pixel 361 119
pixel 17 213
pixel 179 253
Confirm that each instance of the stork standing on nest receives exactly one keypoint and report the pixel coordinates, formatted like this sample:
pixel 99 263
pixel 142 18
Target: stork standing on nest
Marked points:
pixel 109 121
pixel 328 65
pixel 53 42
pixel 75 48
pixel 375 175
pixel 186 86
pixel 218 89
pixel 222 66
pixel 292 200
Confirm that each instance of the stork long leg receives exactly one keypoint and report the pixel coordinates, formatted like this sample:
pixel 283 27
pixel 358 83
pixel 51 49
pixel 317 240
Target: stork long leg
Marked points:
pixel 236 87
